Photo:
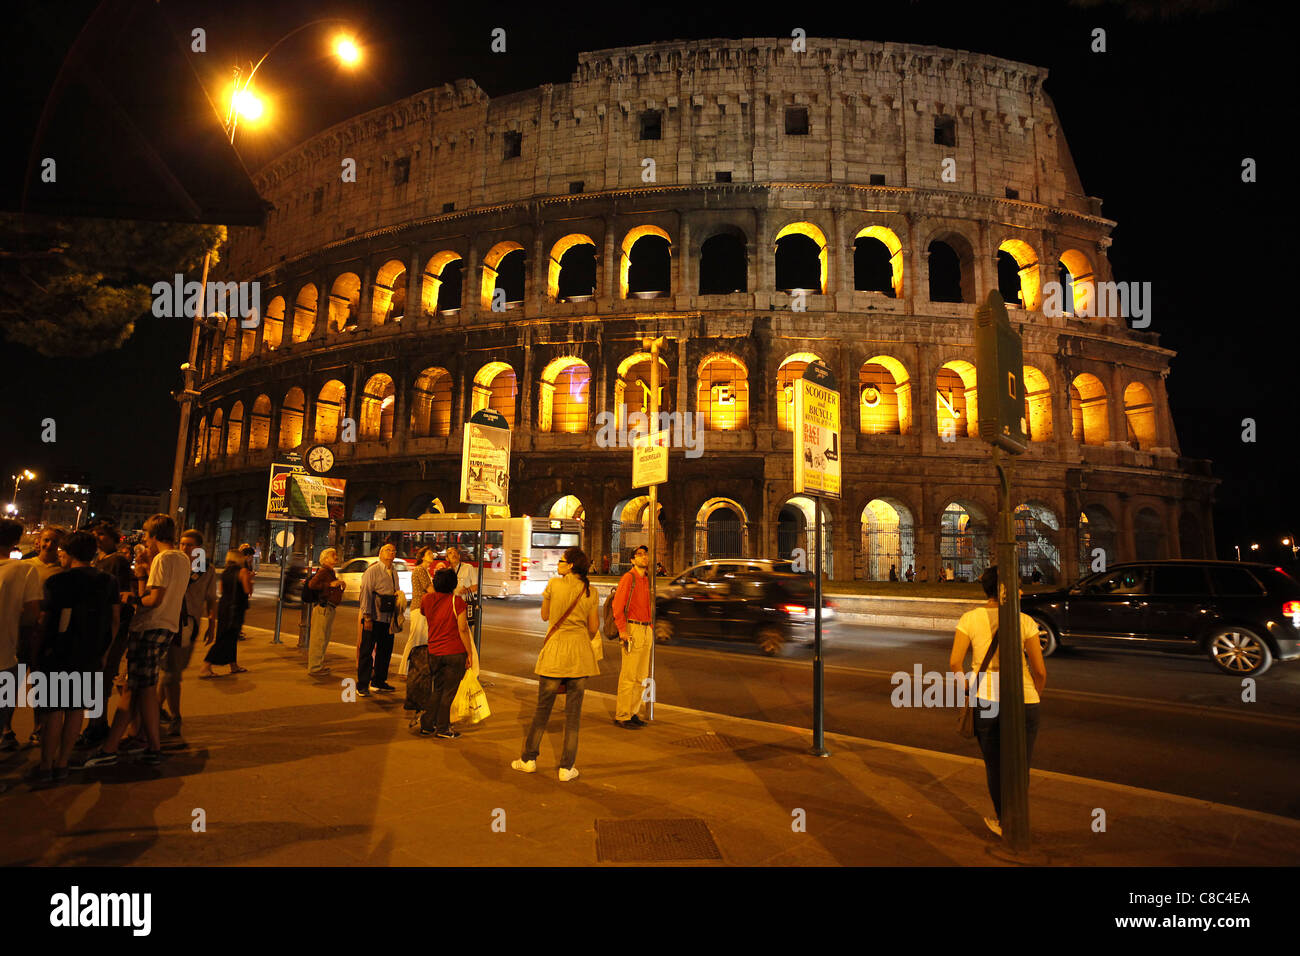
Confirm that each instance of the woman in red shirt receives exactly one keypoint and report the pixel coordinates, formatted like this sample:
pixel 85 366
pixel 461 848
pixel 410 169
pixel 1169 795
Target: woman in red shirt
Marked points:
pixel 450 646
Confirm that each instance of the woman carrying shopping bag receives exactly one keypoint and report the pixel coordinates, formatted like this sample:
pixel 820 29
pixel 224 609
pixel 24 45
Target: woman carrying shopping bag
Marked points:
pixel 566 660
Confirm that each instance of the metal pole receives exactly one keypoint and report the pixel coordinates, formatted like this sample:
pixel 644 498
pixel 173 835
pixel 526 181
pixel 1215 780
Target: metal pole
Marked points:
pixel 187 396
pixel 654 519
pixel 279 601
pixel 482 557
pixel 819 674
pixel 1011 692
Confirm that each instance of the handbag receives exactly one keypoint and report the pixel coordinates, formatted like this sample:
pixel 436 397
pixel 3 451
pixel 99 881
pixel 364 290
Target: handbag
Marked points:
pixel 966 719
pixel 564 683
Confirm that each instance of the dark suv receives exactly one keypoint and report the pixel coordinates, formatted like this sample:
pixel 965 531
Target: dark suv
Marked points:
pixel 750 604
pixel 1244 616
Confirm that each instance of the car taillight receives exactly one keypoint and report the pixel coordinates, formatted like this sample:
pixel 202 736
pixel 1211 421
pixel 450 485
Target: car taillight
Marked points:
pixel 828 603
pixel 1291 608
pixel 523 575
pixel 794 609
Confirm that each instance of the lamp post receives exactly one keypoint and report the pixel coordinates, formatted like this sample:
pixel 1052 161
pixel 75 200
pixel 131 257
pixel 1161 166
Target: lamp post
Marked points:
pixel 26 473
pixel 242 101
pixel 1289 541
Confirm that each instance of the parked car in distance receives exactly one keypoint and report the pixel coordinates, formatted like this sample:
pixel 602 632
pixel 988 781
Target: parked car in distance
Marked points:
pixel 351 571
pixel 1242 615
pixel 770 608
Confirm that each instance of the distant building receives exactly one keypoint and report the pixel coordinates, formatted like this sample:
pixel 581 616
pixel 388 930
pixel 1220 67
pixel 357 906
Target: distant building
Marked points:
pixel 130 509
pixel 65 504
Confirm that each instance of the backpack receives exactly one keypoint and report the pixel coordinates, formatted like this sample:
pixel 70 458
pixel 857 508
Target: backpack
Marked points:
pixel 608 626
pixel 309 594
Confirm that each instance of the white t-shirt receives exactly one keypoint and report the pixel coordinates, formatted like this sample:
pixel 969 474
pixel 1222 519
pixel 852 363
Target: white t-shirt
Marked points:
pixel 975 625
pixel 170 570
pixel 20 583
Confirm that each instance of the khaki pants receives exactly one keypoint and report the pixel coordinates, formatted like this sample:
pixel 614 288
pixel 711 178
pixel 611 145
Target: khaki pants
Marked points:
pixel 635 669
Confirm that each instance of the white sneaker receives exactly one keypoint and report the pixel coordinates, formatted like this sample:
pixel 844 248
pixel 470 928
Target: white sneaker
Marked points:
pixel 567 775
pixel 993 824
pixel 527 766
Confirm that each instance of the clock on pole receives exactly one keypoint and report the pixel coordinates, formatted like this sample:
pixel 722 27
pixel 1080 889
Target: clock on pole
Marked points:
pixel 320 459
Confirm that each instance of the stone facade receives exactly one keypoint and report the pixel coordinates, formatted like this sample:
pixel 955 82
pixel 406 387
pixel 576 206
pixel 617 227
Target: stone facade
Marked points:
pixel 352 276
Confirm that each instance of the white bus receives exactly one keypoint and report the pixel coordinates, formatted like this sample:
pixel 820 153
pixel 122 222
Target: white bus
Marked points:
pixel 522 553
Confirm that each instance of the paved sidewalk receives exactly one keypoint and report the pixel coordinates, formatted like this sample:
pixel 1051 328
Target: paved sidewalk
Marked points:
pixel 286 773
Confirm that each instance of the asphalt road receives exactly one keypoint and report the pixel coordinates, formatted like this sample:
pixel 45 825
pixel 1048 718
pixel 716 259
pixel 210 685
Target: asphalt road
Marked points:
pixel 1143 719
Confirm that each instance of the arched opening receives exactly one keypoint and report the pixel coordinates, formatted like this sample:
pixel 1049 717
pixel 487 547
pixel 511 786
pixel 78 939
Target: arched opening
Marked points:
pixel 720 530
pixel 235 429
pixel 274 319
pixel 568 507
pixel 571 272
pixel 431 404
pixel 420 506
pixel 888 540
pixel 1089 416
pixel 344 303
pixel 389 293
pixel 494 388
pixel 200 441
pixel 645 264
pixel 565 394
pixel 801 258
pixel 723 394
pixel 503 268
pixel 1074 272
pixel 1018 277
pixel 884 397
pixel 366 509
pixel 1036 543
pixel 724 266
pixel 1098 541
pixel 1140 413
pixel 796 538
pixel 951 263
pixel 215 448
pixel 632 387
pixel 1148 535
pixel 259 424
pixel 378 397
pixel 1191 543
pixel 956 400
pixel 1038 405
pixel 791 370
pixel 247 341
pixel 440 290
pixel 291 414
pixel 630 528
pixel 304 312
pixel 878 262
pixel 963 541
pixel 330 406
pixel 230 344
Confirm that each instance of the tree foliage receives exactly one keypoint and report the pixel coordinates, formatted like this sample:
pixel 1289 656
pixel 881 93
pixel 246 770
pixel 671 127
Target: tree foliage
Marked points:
pixel 75 287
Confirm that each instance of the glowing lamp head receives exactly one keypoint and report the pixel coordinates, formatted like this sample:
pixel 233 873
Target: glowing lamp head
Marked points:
pixel 346 49
pixel 248 106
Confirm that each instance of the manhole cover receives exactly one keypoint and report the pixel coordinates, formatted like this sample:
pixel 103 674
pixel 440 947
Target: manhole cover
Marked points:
pixel 639 841
pixel 711 742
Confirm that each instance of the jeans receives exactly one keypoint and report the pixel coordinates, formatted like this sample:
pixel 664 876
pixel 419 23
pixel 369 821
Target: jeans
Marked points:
pixel 322 623
pixel 447 671
pixel 374 652
pixel 990 740
pixel 547 688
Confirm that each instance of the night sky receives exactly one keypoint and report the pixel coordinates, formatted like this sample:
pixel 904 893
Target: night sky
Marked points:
pixel 1158 126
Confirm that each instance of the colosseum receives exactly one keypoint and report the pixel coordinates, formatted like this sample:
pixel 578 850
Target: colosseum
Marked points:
pixel 756 207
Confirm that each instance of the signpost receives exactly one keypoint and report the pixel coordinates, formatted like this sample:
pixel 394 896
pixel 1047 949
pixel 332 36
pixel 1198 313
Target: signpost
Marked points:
pixel 817 474
pixel 650 467
pixel 999 374
pixel 484 481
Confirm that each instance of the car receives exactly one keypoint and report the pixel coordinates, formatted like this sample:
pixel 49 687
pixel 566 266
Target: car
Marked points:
pixel 1242 615
pixel 709 573
pixel 770 608
pixel 352 570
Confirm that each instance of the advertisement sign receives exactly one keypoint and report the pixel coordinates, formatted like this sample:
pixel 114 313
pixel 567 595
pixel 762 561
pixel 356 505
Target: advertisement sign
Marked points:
pixel 485 460
pixel 313 497
pixel 650 459
pixel 817 433
pixel 277 491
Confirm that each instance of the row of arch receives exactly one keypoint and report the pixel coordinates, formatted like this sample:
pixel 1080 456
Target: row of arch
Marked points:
pixel 885 400
pixel 801 261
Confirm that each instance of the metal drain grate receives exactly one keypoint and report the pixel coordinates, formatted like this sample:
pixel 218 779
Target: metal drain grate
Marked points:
pixel 711 741
pixel 641 841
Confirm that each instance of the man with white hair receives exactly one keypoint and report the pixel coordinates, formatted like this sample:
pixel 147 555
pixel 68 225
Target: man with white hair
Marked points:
pixel 327 590
pixel 378 608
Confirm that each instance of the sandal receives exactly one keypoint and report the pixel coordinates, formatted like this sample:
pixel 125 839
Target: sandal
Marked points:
pixel 236 669
pixel 208 676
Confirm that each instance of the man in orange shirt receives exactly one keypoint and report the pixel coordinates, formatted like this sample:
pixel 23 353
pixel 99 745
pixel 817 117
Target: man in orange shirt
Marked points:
pixel 632 615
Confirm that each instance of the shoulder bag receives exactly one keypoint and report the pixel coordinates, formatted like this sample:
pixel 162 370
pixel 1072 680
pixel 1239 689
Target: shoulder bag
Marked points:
pixel 966 719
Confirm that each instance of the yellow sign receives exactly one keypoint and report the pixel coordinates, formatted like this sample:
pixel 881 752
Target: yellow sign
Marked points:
pixel 816 440
pixel 649 460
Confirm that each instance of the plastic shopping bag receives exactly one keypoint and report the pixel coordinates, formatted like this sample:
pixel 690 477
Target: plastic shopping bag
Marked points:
pixel 470 701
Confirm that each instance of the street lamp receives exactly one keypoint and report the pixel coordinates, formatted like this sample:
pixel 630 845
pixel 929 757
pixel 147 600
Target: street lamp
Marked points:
pixel 242 103
pixel 27 474
pixel 1290 542
pixel 1238 549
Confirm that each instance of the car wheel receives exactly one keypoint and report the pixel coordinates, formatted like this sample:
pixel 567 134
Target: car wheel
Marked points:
pixel 770 640
pixel 663 631
pixel 1046 636
pixel 1240 652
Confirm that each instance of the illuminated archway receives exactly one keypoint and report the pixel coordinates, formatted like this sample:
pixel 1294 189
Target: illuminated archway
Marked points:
pixel 567 507
pixel 632 387
pixel 1140 413
pixel 963 540
pixel 722 397
pixel 651 268
pixel 958 409
pixel 235 429
pixel 388 294
pixel 259 424
pixel 789 255
pixel 1026 260
pixel 344 302
pixel 431 404
pixel 1037 528
pixel 491 270
pixel 893 252
pixel 201 441
pixel 796 537
pixel 274 319
pixel 1078 284
pixel 330 406
pixel 291 419
pixel 888 539
pixel 884 397
pixel 630 528
pixel 494 388
pixel 565 396
pixel 791 370
pixel 215 448
pixel 1038 405
pixel 581 251
pixel 304 312
pixel 721 530
pixel 441 289
pixel 378 397
pixel 1089 413
pixel 230 344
